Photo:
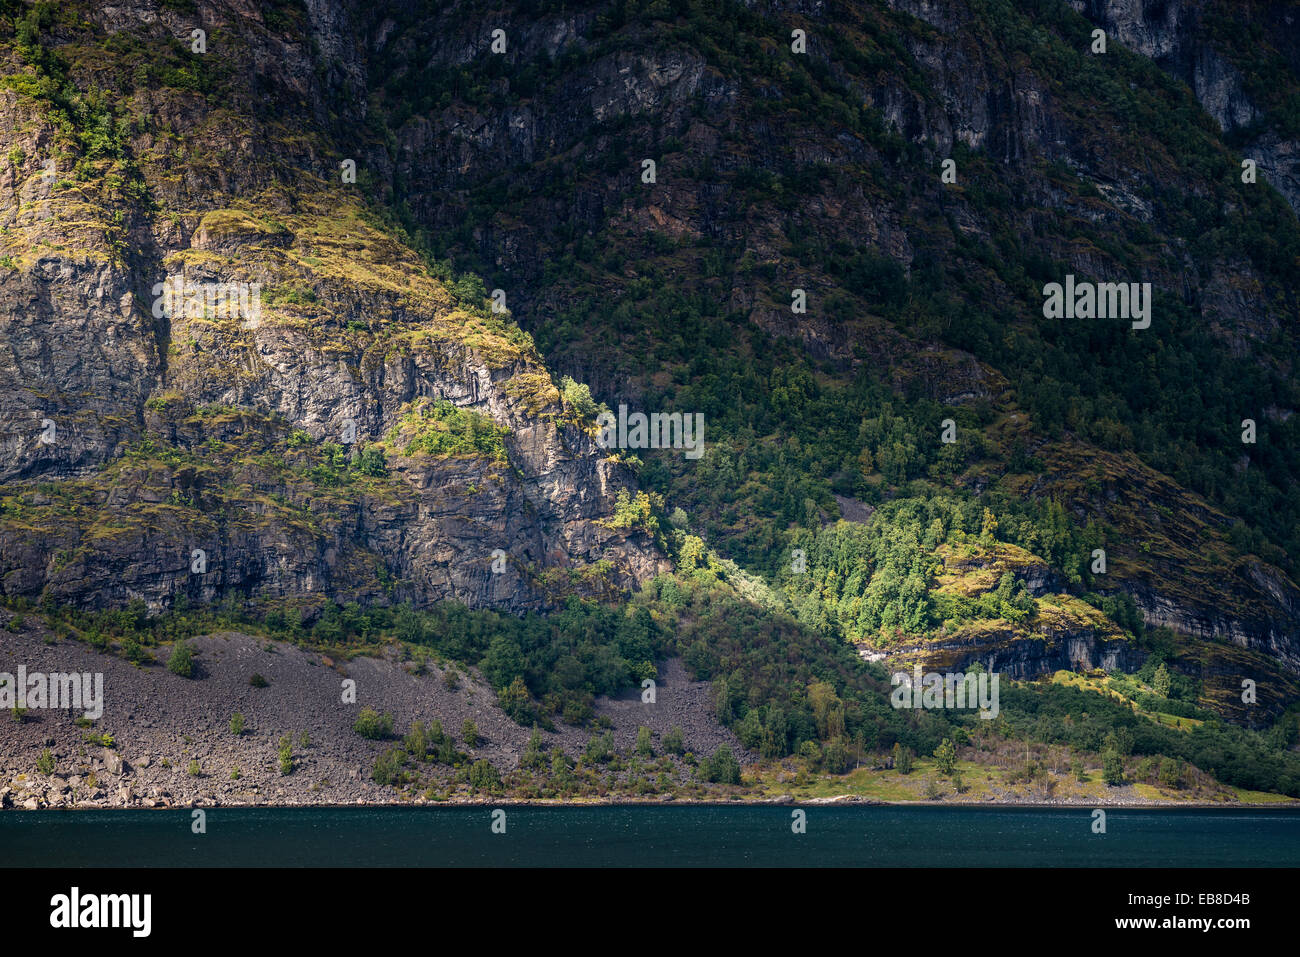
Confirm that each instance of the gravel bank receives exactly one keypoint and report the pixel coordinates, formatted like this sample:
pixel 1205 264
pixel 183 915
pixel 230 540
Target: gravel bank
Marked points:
pixel 160 722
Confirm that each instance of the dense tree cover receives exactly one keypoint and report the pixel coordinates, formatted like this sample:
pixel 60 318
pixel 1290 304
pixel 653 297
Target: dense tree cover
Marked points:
pixel 1174 397
pixel 870 581
pixel 563 661
pixel 779 684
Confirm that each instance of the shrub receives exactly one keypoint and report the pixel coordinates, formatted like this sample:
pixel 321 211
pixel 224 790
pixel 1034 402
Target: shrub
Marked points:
pixel 181 661
pixel 578 395
pixel 600 749
pixel 945 756
pixel 236 724
pixel 722 768
pixel 388 767
pixel 134 652
pixel 672 742
pixel 1171 773
pixel 483 776
pixel 370 724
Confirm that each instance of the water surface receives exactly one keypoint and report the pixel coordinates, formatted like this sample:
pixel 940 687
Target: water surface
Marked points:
pixel 635 836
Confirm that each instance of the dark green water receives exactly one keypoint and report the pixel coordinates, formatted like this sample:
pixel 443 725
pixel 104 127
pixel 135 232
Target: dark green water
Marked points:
pixel 654 836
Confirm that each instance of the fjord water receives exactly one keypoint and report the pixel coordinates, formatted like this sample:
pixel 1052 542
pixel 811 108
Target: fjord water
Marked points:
pixel 639 836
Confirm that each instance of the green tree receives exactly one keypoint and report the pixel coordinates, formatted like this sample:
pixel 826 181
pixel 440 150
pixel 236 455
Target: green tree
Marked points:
pixel 750 730
pixel 515 700
pixel 560 772
pixel 388 767
pixel 483 776
pixel 644 745
pixel 945 756
pixel 599 749
pixel 370 724
pixel 1120 741
pixel 534 751
pixel 902 759
pixel 469 733
pixel 181 661
pixel 578 395
pixel 835 757
pixel 370 461
pixel 723 768
pixel 286 755
pixel 1171 773
pixel 236 724
pixel 1112 768
pixel 503 662
pixel 672 742
pixel 1160 683
pixel 373 726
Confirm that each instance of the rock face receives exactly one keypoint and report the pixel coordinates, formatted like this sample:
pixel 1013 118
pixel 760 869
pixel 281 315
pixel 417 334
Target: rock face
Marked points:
pixel 1179 36
pixel 166 448
pixel 1014 655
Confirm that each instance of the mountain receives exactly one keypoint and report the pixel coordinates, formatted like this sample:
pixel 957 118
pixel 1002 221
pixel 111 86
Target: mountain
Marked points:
pixel 315 315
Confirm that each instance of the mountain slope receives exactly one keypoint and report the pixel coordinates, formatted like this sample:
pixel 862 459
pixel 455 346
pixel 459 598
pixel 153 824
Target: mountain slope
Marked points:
pixel 292 438
pixel 821 172
pixel 838 255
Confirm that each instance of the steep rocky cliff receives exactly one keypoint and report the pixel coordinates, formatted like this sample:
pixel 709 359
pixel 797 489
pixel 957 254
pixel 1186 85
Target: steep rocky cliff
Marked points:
pixel 158 447
pixel 1222 50
pixel 303 451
